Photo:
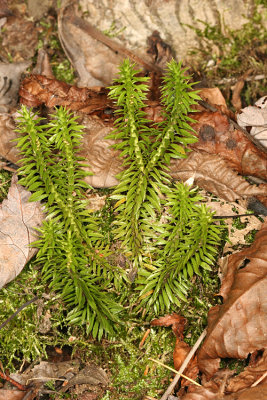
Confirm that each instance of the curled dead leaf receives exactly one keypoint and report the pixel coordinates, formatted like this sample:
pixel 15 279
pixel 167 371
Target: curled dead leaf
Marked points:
pixel 38 89
pixel 238 326
pixel 250 375
pixel 8 148
pixel 181 349
pixel 218 136
pixel 18 218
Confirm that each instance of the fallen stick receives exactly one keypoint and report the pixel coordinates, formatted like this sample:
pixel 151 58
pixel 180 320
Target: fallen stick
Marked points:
pixel 183 366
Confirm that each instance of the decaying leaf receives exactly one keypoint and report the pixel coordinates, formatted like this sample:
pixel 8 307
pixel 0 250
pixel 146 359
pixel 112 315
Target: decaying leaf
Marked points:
pixel 213 174
pixel 103 160
pixel 238 326
pixel 18 218
pixel 8 148
pixel 38 89
pixel 9 84
pixel 90 374
pixel 214 96
pixel 181 349
pixel 95 63
pixel 250 375
pixel 254 393
pixel 46 371
pixel 218 136
pixel 94 55
pixel 254 118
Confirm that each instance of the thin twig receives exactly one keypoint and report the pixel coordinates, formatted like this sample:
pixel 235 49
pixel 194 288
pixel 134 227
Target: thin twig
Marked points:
pixel 174 370
pixel 183 366
pixel 141 344
pixel 12 381
pixel 259 380
pixel 17 311
pixel 233 216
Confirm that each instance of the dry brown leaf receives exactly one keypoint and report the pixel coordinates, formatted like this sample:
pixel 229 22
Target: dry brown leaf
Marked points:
pixel 94 55
pixel 38 89
pixel 218 136
pixel 103 160
pixel 46 371
pixel 11 394
pixel 43 66
pixel 238 326
pixel 213 174
pixel 10 75
pixel 8 148
pixel 237 89
pixel 181 349
pixel 250 375
pixel 18 218
pixel 214 96
pixel 174 320
pixel 202 393
pixel 254 393
pixel 95 63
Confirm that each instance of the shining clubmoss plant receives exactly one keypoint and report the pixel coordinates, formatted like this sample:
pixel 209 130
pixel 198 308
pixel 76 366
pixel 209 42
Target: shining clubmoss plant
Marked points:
pixel 164 255
pixel 163 230
pixel 70 245
pixel 146 150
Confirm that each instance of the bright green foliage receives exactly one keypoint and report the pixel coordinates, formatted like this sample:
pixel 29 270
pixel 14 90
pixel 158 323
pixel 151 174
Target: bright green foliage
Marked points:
pixel 75 256
pixel 163 254
pixel 146 151
pixel 187 242
pixel 71 249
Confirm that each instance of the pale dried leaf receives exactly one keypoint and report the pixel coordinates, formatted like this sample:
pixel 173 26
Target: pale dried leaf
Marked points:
pixel 18 218
pixel 213 174
pixel 255 118
pixel 46 371
pixel 238 326
pixel 103 160
pixel 8 148
pixel 9 84
pixel 95 63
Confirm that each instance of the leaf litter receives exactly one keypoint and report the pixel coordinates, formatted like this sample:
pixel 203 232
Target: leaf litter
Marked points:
pixel 223 153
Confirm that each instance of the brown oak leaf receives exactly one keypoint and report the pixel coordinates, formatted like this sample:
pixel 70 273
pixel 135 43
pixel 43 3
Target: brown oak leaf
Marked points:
pixel 238 326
